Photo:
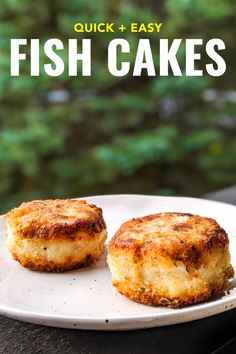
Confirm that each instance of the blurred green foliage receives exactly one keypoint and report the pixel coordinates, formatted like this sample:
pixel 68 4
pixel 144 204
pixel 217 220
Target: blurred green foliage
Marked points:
pixel 114 135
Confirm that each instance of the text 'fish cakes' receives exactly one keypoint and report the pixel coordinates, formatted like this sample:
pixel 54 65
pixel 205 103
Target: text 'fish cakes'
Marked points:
pixel 56 235
pixel 171 259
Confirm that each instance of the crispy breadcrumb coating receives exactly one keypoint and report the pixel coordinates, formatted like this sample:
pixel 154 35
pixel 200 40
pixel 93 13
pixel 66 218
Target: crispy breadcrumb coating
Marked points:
pixel 172 259
pixel 56 235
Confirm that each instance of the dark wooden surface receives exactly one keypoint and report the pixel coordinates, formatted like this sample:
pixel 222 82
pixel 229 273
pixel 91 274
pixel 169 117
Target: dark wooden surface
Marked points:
pixel 202 336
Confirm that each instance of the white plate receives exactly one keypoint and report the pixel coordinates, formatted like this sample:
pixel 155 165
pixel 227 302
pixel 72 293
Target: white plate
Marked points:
pixel 85 298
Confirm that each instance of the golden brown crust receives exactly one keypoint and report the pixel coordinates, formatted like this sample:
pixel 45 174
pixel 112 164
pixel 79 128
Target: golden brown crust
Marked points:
pixel 164 235
pixel 151 297
pixel 52 267
pixel 56 218
pixel 170 259
pixel 56 235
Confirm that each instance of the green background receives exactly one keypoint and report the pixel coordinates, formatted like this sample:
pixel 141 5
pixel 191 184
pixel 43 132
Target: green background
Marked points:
pixel 77 136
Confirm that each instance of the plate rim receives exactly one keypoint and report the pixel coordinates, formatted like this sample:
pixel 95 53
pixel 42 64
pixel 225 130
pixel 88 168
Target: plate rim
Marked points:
pixel 147 320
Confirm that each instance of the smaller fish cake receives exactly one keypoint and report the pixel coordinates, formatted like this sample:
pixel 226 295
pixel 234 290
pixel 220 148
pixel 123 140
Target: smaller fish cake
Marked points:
pixel 55 235
pixel 170 259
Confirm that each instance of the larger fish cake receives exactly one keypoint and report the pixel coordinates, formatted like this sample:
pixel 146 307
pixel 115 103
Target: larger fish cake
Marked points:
pixel 56 235
pixel 172 259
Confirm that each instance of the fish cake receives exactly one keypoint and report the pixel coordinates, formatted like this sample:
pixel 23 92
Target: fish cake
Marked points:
pixel 55 235
pixel 170 259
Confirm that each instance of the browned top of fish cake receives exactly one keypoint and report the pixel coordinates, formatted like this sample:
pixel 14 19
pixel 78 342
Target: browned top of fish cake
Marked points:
pixel 179 236
pixel 52 218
